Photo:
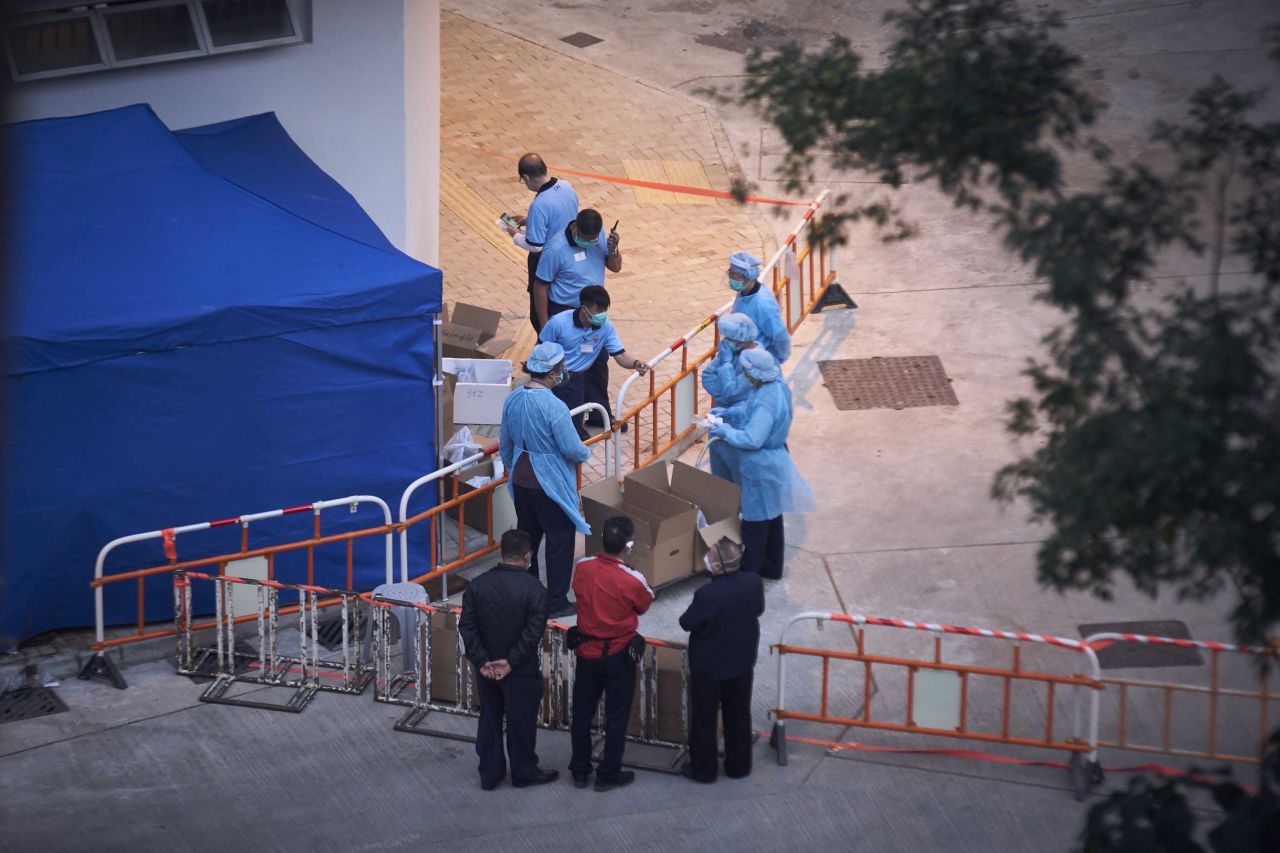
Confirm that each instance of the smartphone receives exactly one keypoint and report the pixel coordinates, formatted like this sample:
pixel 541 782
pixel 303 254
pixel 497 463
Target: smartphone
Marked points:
pixel 510 221
pixel 615 225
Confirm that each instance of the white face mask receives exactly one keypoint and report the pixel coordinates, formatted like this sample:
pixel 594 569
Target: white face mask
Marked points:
pixel 631 544
pixel 706 561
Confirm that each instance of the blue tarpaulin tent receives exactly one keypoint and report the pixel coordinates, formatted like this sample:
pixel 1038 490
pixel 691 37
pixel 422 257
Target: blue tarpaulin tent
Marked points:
pixel 202 324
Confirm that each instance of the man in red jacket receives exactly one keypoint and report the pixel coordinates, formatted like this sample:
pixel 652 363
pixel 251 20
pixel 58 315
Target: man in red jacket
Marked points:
pixel 611 596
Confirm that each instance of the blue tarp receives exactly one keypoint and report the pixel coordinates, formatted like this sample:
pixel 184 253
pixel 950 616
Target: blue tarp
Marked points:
pixel 202 324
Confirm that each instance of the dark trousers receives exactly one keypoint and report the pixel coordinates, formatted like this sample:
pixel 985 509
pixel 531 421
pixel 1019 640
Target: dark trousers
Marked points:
pixel 534 257
pixel 597 390
pixel 616 679
pixel 762 547
pixel 515 699
pixel 731 697
pixel 538 515
pixel 572 392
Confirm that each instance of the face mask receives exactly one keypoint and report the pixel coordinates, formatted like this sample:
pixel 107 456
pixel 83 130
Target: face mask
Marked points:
pixel 706 561
pixel 735 347
pixel 737 285
pixel 583 244
pixel 597 320
pixel 631 544
pixel 561 378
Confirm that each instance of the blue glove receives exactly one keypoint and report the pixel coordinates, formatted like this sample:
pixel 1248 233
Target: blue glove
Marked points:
pixel 718 411
pixel 717 430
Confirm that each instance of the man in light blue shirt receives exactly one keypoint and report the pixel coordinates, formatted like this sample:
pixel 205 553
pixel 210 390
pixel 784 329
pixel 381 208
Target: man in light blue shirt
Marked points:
pixel 586 335
pixel 571 259
pixel 758 302
pixel 554 206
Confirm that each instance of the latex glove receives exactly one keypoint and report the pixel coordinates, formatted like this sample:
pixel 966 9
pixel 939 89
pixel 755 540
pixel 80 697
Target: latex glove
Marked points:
pixel 717 430
pixel 717 411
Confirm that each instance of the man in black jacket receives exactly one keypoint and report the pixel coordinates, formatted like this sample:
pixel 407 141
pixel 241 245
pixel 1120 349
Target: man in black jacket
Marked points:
pixel 723 622
pixel 504 612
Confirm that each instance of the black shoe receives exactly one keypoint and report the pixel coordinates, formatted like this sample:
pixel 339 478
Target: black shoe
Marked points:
pixel 580 779
pixel 569 609
pixel 622 780
pixel 489 786
pixel 541 778
pixel 687 772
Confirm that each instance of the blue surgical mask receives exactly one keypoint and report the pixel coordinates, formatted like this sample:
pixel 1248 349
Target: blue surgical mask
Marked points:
pixel 562 377
pixel 597 320
pixel 738 284
pixel 583 244
pixel 735 347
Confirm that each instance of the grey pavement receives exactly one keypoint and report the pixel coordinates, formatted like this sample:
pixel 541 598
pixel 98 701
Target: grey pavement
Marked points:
pixel 905 528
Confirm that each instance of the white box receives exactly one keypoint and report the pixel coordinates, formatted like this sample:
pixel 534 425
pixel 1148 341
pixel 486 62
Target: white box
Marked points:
pixel 482 387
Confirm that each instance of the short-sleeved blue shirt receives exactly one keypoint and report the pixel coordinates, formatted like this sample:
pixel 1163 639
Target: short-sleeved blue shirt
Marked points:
pixel 582 344
pixel 569 268
pixel 554 207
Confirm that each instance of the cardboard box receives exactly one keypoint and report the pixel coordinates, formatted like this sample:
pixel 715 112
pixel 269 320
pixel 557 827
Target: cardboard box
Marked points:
pixel 719 500
pixel 477 509
pixel 444 660
pixel 479 401
pixel 668 705
pixel 665 526
pixel 470 332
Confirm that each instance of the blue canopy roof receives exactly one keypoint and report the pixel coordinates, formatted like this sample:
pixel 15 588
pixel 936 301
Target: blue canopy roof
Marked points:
pixel 130 238
pixel 202 324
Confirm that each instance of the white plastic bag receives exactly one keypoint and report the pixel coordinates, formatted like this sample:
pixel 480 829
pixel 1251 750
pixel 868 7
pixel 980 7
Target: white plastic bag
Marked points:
pixel 460 446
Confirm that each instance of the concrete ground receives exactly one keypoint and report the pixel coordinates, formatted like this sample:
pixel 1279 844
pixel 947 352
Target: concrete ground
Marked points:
pixel 904 526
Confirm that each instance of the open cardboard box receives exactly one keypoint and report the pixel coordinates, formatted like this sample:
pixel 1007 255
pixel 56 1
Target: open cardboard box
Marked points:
pixel 446 659
pixel 665 525
pixel 477 509
pixel 470 333
pixel 479 401
pixel 718 499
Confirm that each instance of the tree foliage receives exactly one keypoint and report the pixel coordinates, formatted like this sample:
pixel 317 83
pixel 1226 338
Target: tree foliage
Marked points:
pixel 1158 403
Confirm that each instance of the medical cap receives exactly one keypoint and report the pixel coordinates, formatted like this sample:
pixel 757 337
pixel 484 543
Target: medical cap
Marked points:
pixel 745 263
pixel 737 327
pixel 545 357
pixel 759 364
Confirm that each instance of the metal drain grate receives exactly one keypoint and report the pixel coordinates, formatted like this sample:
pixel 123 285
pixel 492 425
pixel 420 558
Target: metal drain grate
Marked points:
pixel 581 40
pixel 29 702
pixel 1120 655
pixel 888 383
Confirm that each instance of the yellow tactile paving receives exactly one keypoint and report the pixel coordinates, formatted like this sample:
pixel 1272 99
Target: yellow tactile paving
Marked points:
pixel 688 173
pixel 649 170
pixel 467 205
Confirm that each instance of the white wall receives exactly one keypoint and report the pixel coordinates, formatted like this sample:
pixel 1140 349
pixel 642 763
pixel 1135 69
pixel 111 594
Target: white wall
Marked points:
pixel 422 129
pixel 341 95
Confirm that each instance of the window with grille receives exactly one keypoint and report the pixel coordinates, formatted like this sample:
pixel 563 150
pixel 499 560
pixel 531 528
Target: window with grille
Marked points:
pixel 121 34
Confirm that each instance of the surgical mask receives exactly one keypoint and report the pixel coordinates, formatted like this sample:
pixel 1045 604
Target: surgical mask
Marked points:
pixel 597 320
pixel 706 560
pixel 735 347
pixel 584 244
pixel 631 544
pixel 738 285
pixel 562 377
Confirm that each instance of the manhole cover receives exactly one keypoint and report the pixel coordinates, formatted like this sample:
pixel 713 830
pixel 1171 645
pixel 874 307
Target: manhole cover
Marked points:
pixel 582 39
pixel 888 383
pixel 29 702
pixel 1124 655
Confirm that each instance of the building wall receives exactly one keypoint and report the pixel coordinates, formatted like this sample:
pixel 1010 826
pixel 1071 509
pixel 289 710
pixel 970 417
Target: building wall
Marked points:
pixel 422 129
pixel 341 95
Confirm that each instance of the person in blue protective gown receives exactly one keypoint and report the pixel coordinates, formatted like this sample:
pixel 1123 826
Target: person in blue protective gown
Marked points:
pixel 758 302
pixel 541 449
pixel 723 376
pixel 755 434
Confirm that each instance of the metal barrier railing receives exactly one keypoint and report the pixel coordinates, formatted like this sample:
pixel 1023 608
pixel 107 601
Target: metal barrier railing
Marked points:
pixel 938 692
pixel 99 666
pixel 1160 699
pixel 798 277
pixel 413 686
pixel 267 666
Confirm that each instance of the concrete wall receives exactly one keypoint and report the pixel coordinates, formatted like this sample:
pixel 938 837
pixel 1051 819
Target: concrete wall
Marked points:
pixel 342 96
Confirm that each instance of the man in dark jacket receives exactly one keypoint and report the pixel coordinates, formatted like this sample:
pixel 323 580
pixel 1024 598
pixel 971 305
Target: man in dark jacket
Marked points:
pixel 723 622
pixel 504 612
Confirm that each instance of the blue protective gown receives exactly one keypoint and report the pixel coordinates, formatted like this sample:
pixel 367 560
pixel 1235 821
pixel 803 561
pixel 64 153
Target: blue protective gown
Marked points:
pixel 771 330
pixel 537 422
pixel 723 380
pixel 755 436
